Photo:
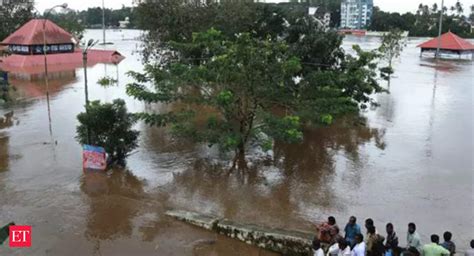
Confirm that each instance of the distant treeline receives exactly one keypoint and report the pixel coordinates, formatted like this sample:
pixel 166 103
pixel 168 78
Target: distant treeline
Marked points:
pixel 76 21
pixel 425 22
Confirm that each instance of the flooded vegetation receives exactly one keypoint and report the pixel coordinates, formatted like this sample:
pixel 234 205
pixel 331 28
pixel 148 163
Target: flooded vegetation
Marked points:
pixel 408 160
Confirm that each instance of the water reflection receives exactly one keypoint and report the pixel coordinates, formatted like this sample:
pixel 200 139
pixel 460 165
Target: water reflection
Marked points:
pixel 277 193
pixel 113 201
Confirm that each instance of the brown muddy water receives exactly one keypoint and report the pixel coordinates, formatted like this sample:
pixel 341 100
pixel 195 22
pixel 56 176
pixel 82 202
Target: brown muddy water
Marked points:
pixel 411 161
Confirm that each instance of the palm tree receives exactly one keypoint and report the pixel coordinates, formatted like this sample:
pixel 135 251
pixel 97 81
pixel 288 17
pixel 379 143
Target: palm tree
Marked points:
pixel 434 8
pixel 452 9
pixel 459 8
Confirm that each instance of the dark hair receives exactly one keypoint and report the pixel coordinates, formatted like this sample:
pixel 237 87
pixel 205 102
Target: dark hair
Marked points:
pixel 389 225
pixel 447 236
pixel 369 222
pixel 316 244
pixel 412 225
pixel 472 243
pixel 371 229
pixel 353 217
pixel 342 243
pixel 434 238
pixel 359 236
pixel 331 219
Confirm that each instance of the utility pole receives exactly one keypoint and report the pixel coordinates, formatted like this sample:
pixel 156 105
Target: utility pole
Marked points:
pixel 103 22
pixel 440 29
pixel 87 47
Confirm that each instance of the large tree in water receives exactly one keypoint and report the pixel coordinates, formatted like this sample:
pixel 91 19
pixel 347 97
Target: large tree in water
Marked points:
pixel 262 82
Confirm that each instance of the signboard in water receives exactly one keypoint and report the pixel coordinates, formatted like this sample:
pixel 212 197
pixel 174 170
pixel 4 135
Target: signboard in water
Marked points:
pixel 93 158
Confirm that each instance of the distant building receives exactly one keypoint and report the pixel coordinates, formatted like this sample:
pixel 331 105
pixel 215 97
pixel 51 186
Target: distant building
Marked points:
pixel 356 14
pixel 124 23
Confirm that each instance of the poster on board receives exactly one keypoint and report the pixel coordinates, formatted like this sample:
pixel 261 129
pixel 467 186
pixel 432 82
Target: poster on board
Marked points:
pixel 94 158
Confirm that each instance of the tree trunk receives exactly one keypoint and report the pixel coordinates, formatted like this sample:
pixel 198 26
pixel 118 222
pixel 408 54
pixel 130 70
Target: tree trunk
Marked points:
pixel 239 161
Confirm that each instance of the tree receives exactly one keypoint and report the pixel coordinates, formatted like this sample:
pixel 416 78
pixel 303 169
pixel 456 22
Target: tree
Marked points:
pixel 14 14
pixel 239 83
pixel 459 8
pixel 70 21
pixel 390 48
pixel 471 16
pixel 108 125
pixel 261 80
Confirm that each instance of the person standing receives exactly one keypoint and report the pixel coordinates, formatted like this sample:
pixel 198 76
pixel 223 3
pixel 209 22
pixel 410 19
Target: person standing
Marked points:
pixel 359 248
pixel 434 249
pixel 448 244
pixel 470 252
pixel 351 230
pixel 317 250
pixel 374 243
pixel 391 243
pixel 413 239
pixel 344 248
pixel 325 229
pixel 334 249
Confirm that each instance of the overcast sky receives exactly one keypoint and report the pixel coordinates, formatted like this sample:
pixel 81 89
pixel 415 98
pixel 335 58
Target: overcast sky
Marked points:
pixel 386 5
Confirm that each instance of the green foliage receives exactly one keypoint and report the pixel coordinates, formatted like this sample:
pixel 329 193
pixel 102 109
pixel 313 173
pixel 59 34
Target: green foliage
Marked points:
pixel 70 21
pixel 424 22
pixel 108 125
pixel 107 81
pixel 92 17
pixel 261 76
pixel 237 82
pixel 13 15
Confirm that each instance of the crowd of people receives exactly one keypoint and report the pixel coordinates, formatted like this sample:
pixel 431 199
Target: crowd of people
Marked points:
pixel 353 242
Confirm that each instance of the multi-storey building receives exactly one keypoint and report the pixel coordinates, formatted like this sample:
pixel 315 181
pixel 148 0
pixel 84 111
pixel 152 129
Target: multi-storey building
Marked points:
pixel 356 14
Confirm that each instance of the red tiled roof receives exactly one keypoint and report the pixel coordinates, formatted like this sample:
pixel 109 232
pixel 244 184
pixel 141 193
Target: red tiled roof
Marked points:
pixel 57 62
pixel 449 41
pixel 32 34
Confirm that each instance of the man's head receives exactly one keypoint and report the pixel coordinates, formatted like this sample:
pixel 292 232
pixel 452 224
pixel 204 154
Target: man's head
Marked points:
pixel 435 239
pixel 447 236
pixel 389 228
pixel 359 238
pixel 352 220
pixel 369 222
pixel 472 243
pixel 342 243
pixel 371 230
pixel 331 220
pixel 334 231
pixel 316 244
pixel 411 227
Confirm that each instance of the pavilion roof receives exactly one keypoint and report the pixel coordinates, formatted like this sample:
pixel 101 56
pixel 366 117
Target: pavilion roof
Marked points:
pixel 449 41
pixel 31 33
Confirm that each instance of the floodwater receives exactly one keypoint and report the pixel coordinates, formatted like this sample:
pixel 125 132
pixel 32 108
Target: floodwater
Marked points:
pixel 411 161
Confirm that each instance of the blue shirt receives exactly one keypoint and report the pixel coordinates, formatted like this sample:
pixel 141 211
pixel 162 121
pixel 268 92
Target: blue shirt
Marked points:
pixel 351 231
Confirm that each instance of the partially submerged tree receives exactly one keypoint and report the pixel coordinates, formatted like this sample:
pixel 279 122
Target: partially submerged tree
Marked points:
pixel 237 90
pixel 108 125
pixel 226 98
pixel 265 76
pixel 391 47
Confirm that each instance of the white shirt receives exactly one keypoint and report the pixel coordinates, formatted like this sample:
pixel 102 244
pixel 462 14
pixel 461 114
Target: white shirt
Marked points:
pixel 333 250
pixel 345 252
pixel 319 252
pixel 359 250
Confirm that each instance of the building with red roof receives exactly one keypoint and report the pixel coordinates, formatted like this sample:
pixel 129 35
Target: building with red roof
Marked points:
pixel 26 48
pixel 448 43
